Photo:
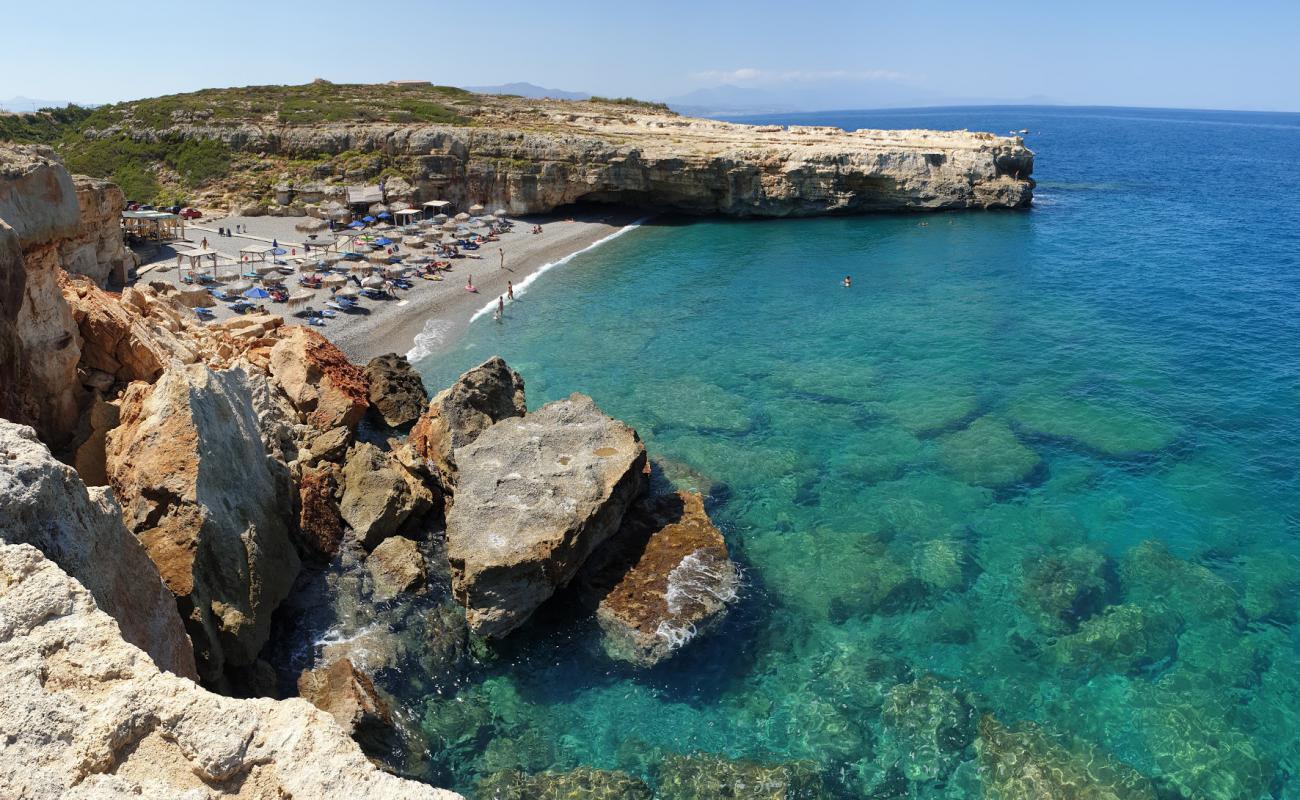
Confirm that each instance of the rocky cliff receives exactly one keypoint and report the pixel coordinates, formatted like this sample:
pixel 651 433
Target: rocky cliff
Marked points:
pixel 535 155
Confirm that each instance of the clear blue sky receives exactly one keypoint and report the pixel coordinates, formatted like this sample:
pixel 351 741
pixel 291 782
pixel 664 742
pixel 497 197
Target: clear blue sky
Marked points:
pixel 1243 54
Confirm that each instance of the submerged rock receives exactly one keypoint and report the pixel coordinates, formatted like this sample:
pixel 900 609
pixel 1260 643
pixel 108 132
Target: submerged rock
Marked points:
pixel 397 394
pixel 535 496
pixel 457 415
pixel 198 489
pixel 1109 429
pixel 987 453
pixel 379 494
pixel 396 566
pixel 111 725
pixel 708 777
pixel 43 503
pixel 928 727
pixel 1025 763
pixel 661 580
pixel 1063 589
pixel 1125 638
pixel 1153 576
pixel 584 782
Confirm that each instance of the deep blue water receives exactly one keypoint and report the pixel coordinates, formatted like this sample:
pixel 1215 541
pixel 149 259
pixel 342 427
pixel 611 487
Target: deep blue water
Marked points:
pixel 1049 458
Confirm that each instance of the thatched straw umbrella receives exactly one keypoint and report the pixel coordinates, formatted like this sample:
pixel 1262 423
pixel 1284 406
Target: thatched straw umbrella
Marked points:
pixel 462 217
pixel 413 241
pixel 378 208
pixel 311 225
pixel 398 205
pixel 500 212
pixel 348 291
pixel 373 282
pixel 440 218
pixel 331 259
pixel 476 209
pixel 240 286
pixel 300 297
pixel 377 257
pixel 334 280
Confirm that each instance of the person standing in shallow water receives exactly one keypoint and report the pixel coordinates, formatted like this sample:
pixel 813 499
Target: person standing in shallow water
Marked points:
pixel 510 290
pixel 501 306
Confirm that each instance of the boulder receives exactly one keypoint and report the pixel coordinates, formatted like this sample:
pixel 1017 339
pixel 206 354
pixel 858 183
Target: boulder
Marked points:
pixel 457 415
pixel 319 380
pixel 320 527
pixel 535 496
pixel 396 566
pixel 45 504
pixel 928 726
pixel 1026 763
pixel 347 694
pixel 584 782
pixel 88 716
pixel 1063 589
pixel 199 490
pixel 661 580
pixel 397 394
pixel 379 494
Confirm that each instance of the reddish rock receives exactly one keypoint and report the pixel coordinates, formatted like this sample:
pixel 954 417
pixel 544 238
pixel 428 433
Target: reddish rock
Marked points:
pixel 320 528
pixel 319 380
pixel 663 578
pixel 347 694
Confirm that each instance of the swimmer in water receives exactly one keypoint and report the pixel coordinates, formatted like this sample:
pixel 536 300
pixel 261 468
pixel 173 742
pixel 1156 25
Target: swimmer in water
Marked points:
pixel 848 281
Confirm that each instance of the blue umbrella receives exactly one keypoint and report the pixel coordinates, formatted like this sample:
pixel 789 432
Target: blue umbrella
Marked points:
pixel 279 251
pixel 356 225
pixel 256 293
pixel 367 218
pixel 385 215
pixel 383 241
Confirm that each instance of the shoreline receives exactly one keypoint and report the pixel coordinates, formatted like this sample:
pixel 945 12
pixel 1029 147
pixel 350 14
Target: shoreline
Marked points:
pixel 431 316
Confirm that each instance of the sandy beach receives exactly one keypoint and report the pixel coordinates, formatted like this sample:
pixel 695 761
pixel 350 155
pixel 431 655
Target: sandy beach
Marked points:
pixel 432 314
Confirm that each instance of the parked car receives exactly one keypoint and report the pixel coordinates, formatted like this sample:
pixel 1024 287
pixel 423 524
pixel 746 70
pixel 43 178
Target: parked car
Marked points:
pixel 190 213
pixel 174 209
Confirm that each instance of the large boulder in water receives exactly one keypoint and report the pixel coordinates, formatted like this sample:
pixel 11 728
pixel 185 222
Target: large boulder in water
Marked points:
pixel 43 503
pixel 662 579
pixel 457 415
pixel 379 494
pixel 535 496
pixel 705 776
pixel 87 715
pixel 397 394
pixel 210 506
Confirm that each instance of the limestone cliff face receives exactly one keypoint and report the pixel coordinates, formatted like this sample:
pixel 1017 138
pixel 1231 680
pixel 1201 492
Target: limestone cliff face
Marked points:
pixel 50 223
pixel 532 156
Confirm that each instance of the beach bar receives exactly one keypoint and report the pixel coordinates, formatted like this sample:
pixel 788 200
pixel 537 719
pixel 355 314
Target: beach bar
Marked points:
pixel 435 207
pixel 153 224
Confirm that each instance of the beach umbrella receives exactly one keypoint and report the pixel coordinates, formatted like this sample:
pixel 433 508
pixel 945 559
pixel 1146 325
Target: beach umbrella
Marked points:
pixel 449 226
pixel 311 225
pixel 298 298
pixel 367 219
pixel 332 259
pixel 420 260
pixel 256 294
pixel 500 212
pixel 278 251
pixel 376 208
pixel 399 206
pixel 263 269
pixel 439 218
pixel 377 257
pixel 413 241
pixel 384 215
pixel 462 217
pixel 383 226
pixel 358 225
pixel 383 241
pixel 347 291
pixel 373 282
pixel 475 209
pixel 334 280
pixel 240 286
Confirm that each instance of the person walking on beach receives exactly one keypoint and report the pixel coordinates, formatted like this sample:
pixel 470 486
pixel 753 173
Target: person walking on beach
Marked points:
pixel 510 291
pixel 204 243
pixel 502 251
pixel 469 285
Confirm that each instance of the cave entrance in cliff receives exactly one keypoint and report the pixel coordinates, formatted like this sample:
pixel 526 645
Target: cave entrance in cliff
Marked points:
pixel 592 207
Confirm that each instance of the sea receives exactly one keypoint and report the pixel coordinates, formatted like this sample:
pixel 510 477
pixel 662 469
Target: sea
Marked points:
pixel 1027 492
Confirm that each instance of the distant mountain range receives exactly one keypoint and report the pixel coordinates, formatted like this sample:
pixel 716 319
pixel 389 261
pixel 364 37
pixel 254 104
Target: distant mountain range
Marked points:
pixel 531 90
pixel 822 96
pixel 21 103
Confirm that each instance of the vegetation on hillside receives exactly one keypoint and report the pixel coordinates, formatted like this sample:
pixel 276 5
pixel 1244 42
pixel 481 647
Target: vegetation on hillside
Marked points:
pixel 47 126
pixel 631 101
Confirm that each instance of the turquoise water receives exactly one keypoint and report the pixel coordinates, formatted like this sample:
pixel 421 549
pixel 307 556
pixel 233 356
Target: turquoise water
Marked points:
pixel 1049 458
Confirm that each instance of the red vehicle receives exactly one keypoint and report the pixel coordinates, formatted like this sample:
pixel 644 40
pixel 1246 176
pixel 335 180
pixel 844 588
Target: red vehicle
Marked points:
pixel 190 213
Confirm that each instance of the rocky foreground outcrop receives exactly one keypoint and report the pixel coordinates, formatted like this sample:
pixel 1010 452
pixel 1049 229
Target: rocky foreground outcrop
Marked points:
pixel 199 490
pixel 44 503
pixel 534 497
pixel 661 580
pixel 397 394
pixel 87 715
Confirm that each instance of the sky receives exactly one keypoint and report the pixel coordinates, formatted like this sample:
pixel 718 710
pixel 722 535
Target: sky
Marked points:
pixel 833 54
